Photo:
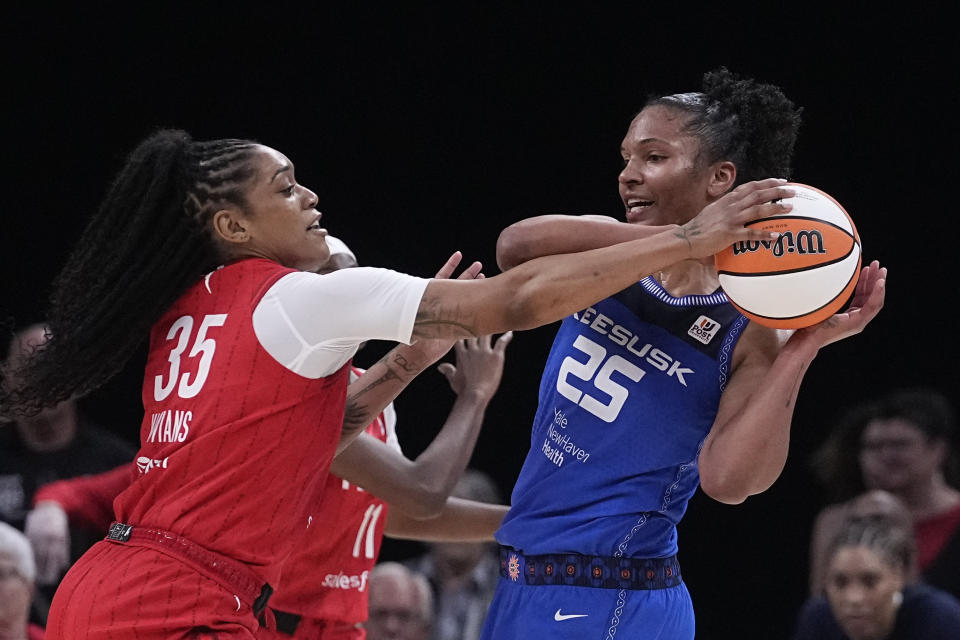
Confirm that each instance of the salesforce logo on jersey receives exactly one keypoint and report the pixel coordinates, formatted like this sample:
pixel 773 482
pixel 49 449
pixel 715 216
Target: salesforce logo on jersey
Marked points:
pixel 343 581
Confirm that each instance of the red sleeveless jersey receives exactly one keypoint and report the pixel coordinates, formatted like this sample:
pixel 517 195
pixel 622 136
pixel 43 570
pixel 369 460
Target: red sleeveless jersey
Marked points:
pixel 326 576
pixel 233 444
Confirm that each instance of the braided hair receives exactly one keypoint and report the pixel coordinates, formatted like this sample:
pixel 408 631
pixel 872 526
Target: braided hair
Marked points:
pixel 146 244
pixel 750 124
pixel 894 543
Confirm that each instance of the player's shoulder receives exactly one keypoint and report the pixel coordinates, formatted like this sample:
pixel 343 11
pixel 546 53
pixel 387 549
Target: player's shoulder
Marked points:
pixel 248 278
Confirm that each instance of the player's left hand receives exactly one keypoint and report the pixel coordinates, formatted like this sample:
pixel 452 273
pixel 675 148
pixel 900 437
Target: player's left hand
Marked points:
pixel 866 304
pixel 479 366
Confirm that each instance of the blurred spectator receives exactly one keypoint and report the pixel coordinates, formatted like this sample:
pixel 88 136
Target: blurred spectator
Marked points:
pixel 877 503
pixel 17 574
pixel 57 443
pixel 462 575
pixel 869 594
pixel 903 444
pixel 81 502
pixel 401 604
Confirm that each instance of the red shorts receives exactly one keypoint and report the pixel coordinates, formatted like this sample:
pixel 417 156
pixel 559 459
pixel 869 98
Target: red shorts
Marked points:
pixel 126 591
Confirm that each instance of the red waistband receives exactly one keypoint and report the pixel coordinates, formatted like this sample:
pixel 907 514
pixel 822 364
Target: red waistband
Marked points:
pixel 233 575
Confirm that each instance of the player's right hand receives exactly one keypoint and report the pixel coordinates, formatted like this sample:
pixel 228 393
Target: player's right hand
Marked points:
pixel 721 223
pixel 48 529
pixel 479 366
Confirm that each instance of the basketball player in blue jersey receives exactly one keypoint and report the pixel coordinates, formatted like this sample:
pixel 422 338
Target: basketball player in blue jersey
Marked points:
pixel 656 389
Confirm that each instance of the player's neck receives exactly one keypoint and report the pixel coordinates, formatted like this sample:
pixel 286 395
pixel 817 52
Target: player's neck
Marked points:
pixel 689 277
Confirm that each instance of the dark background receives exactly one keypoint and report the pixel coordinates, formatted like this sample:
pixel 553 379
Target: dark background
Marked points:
pixel 426 129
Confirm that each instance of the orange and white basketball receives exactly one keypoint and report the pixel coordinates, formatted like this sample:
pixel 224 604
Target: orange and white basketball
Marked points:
pixel 804 276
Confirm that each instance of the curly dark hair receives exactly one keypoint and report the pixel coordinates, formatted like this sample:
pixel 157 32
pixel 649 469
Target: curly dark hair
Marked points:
pixel 753 125
pixel 836 463
pixel 145 245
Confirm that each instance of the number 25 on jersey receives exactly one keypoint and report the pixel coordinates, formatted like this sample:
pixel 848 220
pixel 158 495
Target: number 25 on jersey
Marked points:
pixel 585 371
pixel 203 347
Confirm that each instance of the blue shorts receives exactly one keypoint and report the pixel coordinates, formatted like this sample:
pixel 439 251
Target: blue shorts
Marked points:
pixel 558 611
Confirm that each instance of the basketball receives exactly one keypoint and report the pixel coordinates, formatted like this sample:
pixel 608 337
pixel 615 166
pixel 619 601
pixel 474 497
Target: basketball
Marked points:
pixel 804 276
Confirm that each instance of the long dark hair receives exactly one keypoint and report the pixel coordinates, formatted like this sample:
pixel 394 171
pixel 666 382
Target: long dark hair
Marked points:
pixel 146 244
pixel 751 124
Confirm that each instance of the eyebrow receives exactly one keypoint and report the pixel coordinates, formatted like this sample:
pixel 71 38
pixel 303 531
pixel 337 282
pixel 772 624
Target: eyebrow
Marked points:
pixel 648 141
pixel 285 167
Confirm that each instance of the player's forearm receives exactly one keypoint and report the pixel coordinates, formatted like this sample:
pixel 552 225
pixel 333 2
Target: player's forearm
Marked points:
pixel 555 234
pixel 436 471
pixel 379 385
pixel 545 289
pixel 418 487
pixel 552 287
pixel 745 455
pixel 459 521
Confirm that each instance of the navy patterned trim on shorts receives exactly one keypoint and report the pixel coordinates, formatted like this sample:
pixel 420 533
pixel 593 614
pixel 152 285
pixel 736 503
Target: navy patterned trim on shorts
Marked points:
pixel 590 571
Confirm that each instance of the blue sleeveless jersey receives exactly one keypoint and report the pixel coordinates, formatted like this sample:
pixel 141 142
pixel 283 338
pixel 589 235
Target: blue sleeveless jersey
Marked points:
pixel 629 393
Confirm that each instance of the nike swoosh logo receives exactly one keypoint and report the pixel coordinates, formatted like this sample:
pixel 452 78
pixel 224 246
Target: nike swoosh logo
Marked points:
pixel 560 617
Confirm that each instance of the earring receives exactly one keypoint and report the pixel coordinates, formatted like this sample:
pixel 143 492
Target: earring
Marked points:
pixel 897 598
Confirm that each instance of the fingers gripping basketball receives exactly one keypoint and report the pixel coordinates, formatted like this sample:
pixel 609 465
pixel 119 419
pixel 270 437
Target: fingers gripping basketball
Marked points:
pixel 803 276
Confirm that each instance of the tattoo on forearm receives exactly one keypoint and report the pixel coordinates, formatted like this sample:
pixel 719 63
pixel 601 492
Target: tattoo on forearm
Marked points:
pixel 403 363
pixel 354 416
pixel 688 231
pixel 432 315
pixel 357 414
pixel 387 376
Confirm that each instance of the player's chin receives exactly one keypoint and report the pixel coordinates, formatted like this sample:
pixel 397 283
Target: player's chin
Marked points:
pixel 315 259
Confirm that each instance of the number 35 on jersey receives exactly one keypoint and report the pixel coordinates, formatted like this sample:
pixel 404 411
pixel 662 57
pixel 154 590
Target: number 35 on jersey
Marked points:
pixel 201 346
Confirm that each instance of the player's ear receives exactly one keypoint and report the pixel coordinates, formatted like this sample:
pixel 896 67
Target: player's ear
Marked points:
pixel 723 175
pixel 229 226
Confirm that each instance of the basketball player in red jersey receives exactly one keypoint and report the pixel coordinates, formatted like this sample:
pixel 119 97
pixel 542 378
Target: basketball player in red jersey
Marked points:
pixel 210 246
pixel 323 590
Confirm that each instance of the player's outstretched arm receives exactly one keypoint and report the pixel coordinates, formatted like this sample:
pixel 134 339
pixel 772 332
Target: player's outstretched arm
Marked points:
pixel 459 521
pixel 746 449
pixel 553 234
pixel 549 288
pixel 420 487
pixel 557 234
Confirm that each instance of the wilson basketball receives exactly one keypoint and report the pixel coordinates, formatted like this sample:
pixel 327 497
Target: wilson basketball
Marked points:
pixel 804 276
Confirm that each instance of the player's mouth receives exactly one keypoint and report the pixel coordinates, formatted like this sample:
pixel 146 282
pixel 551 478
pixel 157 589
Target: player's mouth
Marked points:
pixel 315 226
pixel 637 208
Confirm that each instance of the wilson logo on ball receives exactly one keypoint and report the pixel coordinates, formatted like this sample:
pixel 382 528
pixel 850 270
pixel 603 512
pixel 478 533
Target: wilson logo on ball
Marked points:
pixel 804 276
pixel 808 241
